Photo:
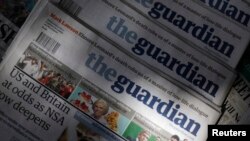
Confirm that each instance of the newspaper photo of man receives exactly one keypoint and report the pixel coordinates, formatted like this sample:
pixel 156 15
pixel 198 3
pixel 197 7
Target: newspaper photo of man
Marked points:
pixel 142 136
pixel 175 138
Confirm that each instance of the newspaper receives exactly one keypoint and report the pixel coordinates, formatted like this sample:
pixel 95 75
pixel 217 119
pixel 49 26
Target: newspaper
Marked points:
pixel 245 119
pixel 235 12
pixel 237 103
pixel 64 82
pixel 154 47
pixel 224 39
pixel 12 16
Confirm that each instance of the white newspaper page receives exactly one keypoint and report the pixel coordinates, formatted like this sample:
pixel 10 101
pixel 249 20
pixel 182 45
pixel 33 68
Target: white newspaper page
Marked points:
pixel 154 47
pixel 64 82
pixel 224 39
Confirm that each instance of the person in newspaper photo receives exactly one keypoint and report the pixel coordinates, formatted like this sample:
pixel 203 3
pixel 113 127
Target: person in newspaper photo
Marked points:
pixel 142 136
pixel 29 65
pixel 158 138
pixel 174 138
pixel 44 72
pixel 86 134
pixel 66 88
pixel 46 77
pixel 41 70
pixel 20 62
pixel 100 109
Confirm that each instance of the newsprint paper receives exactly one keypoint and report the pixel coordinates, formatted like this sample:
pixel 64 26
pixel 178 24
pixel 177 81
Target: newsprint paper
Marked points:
pixel 219 27
pixel 154 47
pixel 237 103
pixel 62 82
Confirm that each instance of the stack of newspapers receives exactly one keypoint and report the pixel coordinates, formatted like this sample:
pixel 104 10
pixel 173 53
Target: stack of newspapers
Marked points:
pixel 117 70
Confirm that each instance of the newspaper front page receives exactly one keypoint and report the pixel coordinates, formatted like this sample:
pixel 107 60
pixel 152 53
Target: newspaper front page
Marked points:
pixel 154 47
pixel 221 30
pixel 63 82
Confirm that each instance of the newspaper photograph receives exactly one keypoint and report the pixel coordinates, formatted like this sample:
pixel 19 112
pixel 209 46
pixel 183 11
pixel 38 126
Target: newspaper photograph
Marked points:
pixel 140 127
pixel 100 106
pixel 48 71
pixel 156 48
pixel 84 88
